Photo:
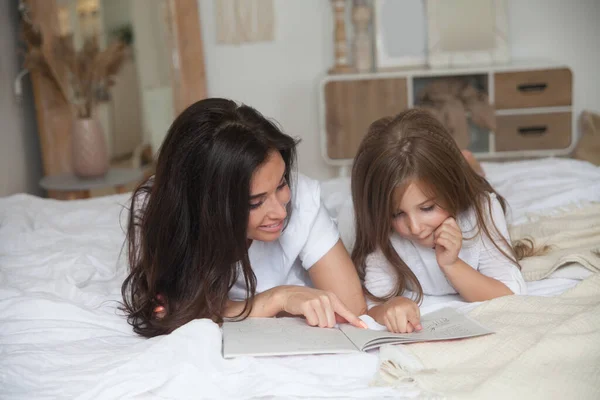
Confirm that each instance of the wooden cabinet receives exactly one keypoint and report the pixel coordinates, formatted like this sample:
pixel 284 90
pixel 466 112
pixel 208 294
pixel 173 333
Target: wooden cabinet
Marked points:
pixel 352 105
pixel 535 88
pixel 544 131
pixel 533 107
pixel 534 111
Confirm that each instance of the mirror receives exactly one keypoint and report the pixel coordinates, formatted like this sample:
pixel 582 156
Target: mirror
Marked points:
pixel 137 110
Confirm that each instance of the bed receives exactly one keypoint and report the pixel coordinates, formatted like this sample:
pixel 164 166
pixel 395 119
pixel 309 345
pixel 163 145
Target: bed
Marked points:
pixel 62 335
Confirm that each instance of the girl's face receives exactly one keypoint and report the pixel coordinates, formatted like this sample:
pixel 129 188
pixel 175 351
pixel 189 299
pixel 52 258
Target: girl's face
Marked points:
pixel 269 195
pixel 416 216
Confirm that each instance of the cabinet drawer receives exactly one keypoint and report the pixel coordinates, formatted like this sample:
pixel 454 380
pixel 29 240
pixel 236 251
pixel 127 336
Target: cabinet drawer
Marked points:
pixel 352 105
pixel 540 88
pixel 550 131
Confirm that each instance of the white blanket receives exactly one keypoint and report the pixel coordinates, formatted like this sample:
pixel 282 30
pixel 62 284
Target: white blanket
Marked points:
pixel 545 186
pixel 61 335
pixel 544 347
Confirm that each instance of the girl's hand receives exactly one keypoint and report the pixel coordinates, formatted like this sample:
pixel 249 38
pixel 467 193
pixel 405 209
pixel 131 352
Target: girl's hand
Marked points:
pixel 320 308
pixel 448 241
pixel 401 315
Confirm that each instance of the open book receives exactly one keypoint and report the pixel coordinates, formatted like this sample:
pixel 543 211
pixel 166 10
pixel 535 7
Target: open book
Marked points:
pixel 289 336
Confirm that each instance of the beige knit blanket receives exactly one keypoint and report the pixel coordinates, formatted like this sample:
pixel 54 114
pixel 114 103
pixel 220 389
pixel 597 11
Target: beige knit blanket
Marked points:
pixel 573 237
pixel 543 348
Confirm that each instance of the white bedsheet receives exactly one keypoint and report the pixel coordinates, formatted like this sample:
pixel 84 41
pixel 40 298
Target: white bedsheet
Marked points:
pixel 61 335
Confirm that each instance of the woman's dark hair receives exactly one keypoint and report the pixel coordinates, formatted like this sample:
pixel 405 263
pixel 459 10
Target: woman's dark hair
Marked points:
pixel 187 227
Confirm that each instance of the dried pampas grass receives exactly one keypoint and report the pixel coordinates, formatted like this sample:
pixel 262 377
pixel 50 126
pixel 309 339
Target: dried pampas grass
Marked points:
pixel 89 71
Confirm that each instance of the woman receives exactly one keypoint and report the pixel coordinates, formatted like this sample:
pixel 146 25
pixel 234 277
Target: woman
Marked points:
pixel 225 229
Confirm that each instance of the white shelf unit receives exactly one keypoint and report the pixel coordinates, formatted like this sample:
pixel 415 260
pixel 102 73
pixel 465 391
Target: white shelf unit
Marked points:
pixel 533 108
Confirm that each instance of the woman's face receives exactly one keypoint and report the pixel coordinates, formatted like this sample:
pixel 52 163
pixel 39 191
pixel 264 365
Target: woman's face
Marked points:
pixel 269 195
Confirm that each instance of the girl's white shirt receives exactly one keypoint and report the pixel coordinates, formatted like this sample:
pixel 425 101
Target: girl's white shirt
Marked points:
pixel 478 251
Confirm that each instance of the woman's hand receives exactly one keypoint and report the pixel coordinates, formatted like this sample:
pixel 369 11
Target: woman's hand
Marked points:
pixel 448 241
pixel 399 315
pixel 317 306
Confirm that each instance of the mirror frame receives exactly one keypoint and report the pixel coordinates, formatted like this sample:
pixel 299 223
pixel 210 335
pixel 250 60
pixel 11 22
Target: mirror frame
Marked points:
pixel 54 117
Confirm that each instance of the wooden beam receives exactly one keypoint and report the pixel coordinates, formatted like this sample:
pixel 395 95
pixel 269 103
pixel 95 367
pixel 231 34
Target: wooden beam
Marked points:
pixel 54 115
pixel 188 71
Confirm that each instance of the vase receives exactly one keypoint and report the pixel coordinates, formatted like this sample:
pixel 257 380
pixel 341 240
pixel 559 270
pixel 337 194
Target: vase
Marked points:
pixel 90 156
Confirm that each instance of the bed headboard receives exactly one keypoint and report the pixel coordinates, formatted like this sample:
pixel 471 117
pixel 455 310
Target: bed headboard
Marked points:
pixel 531 106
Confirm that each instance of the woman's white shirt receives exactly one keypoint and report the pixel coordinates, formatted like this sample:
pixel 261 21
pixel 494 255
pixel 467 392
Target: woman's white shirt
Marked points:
pixel 309 235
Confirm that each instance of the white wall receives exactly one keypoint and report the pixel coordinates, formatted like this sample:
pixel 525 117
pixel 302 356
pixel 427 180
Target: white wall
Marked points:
pixel 281 78
pixel 20 159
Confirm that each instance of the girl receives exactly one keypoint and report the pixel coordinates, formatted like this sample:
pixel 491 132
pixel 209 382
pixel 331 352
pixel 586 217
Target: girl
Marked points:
pixel 225 229
pixel 426 222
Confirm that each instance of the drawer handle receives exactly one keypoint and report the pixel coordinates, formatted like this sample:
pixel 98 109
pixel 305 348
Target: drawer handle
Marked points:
pixel 532 87
pixel 533 130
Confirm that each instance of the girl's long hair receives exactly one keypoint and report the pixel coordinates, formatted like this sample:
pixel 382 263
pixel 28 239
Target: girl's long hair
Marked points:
pixel 186 236
pixel 413 146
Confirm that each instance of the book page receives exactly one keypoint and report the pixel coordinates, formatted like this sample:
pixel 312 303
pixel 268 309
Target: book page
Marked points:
pixel 444 324
pixel 281 336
